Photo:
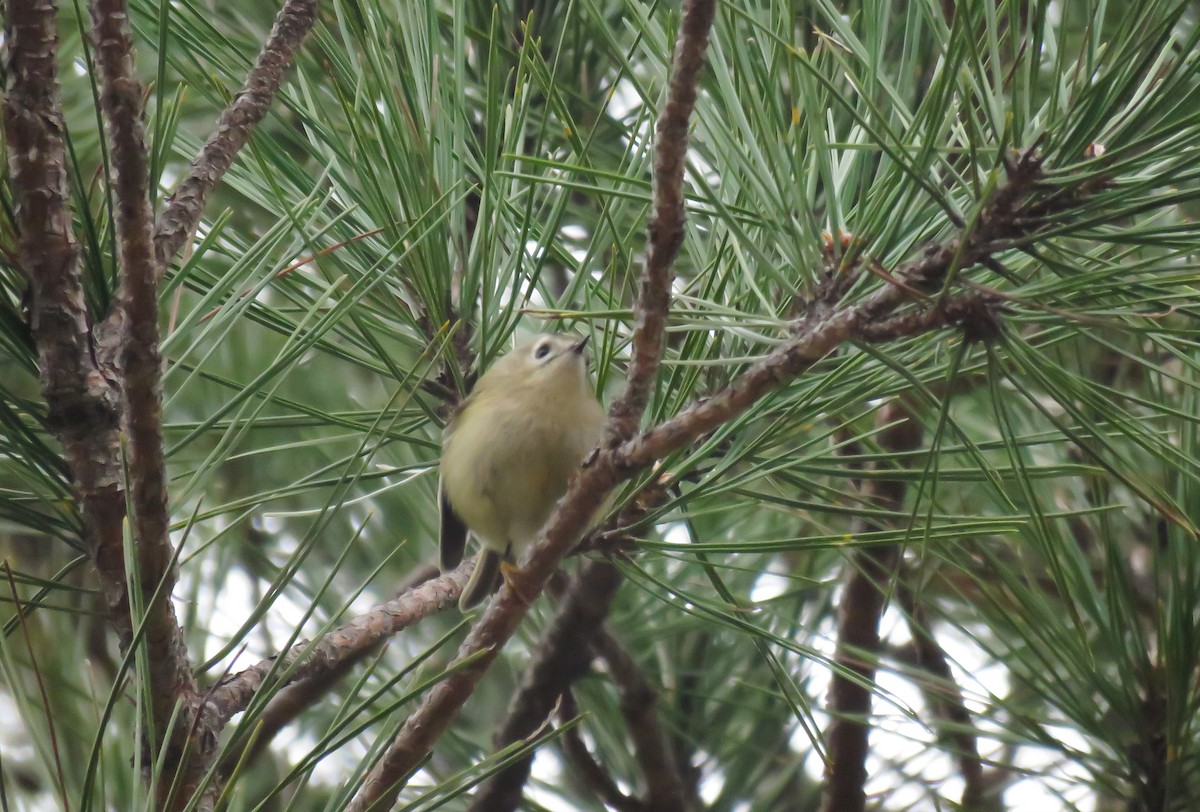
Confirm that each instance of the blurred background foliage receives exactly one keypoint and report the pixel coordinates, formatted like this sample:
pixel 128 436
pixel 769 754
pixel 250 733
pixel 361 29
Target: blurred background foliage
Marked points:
pixel 436 175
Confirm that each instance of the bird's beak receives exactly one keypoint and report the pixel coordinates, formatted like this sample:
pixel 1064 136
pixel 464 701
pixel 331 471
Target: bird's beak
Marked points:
pixel 580 347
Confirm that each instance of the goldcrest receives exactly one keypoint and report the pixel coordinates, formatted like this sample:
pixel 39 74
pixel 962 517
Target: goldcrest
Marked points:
pixel 509 451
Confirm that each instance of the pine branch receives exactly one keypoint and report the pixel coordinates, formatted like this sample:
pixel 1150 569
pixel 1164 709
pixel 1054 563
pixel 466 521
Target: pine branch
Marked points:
pixel 996 228
pixel 825 326
pixel 639 706
pixel 665 230
pixel 233 694
pixel 170 671
pixel 975 314
pixel 906 300
pixel 863 595
pixel 83 406
pixel 184 208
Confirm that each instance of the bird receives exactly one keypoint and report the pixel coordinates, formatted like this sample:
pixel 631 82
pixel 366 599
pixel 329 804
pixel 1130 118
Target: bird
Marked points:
pixel 509 451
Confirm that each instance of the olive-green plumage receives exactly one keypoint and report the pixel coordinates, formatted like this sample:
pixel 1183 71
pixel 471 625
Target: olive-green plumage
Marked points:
pixel 508 453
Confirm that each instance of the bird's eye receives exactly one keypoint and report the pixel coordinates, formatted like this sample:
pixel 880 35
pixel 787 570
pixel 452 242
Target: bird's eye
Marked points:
pixel 542 351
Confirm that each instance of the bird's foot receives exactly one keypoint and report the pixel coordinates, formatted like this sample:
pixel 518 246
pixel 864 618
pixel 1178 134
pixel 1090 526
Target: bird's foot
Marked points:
pixel 517 581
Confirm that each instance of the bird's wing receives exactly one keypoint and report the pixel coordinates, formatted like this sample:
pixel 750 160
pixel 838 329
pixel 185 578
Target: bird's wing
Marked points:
pixel 452 538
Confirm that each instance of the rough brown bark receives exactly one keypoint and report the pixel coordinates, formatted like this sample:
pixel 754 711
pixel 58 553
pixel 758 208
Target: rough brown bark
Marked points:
pixel 90 401
pixel 83 405
pixel 140 368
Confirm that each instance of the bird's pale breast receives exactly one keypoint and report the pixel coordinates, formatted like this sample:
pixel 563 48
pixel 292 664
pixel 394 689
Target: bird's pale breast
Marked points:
pixel 516 469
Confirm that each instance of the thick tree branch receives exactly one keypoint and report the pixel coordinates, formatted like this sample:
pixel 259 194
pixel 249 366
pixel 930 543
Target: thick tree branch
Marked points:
pixel 83 406
pixel 666 226
pixel 863 596
pixel 33 127
pixel 561 658
pixel 184 208
pixel 170 672
pixel 233 694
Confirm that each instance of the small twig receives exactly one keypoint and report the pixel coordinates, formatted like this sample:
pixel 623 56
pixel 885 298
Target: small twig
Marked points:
pixel 863 595
pixel 944 698
pixel 185 207
pixel 973 313
pixel 232 695
pixel 561 657
pixel 998 228
pixel 586 765
pixel 170 671
pixel 639 706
